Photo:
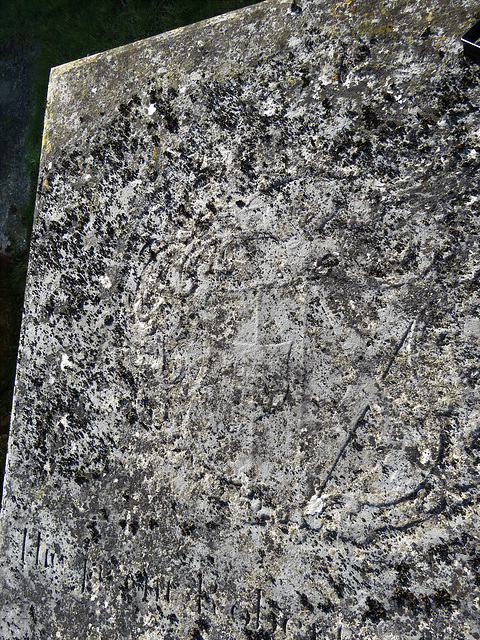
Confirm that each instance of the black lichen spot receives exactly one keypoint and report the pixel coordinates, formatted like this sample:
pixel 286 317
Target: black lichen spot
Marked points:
pixel 129 175
pixel 424 599
pixel 127 129
pixel 376 610
pixel 118 148
pixel 128 377
pixel 80 479
pixel 376 271
pixel 259 634
pixel 355 444
pixel 203 624
pixel 171 122
pixel 306 79
pixel 440 551
pixel 442 598
pixel 330 535
pixel 371 119
pixel 134 526
pixel 388 97
pixel 362 53
pixel 125 591
pixel 202 179
pixel 122 523
pixel 183 212
pixel 194 633
pixel 403 571
pixel 153 524
pixel 246 164
pixel 240 204
pixel 94 531
pixel 154 95
pixel 406 599
pixel 124 110
pixel 305 602
pixel 295 8
pixel 325 605
pixel 187 528
pixel 211 207
pixel 475 564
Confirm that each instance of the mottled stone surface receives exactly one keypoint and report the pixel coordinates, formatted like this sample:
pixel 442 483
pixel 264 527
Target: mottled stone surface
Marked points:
pixel 247 393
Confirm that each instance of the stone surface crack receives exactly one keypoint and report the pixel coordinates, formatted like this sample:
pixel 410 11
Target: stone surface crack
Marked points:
pixel 397 350
pixel 342 450
pixel 361 420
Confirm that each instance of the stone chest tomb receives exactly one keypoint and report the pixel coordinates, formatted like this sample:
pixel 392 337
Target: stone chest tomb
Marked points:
pixel 246 402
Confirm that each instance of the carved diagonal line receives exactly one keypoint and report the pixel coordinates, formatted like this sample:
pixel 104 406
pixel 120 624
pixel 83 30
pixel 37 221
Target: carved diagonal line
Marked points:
pixel 342 450
pixel 364 412
pixel 397 350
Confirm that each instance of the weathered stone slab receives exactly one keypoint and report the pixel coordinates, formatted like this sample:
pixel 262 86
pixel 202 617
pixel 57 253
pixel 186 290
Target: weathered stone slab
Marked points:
pixel 246 403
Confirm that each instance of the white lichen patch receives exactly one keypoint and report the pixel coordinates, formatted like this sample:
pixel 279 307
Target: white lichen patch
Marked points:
pixel 105 282
pixel 65 362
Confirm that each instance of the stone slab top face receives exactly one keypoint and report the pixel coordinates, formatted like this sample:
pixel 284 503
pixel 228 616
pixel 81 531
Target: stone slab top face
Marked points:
pixel 247 402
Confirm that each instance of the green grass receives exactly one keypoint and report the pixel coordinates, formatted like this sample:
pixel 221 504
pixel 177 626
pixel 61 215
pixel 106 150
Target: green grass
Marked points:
pixel 59 31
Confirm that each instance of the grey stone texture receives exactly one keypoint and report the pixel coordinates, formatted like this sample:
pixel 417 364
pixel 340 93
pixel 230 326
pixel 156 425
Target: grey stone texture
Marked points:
pixel 247 401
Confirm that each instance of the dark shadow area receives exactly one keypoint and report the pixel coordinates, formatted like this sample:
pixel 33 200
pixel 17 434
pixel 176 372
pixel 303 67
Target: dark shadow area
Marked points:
pixel 11 297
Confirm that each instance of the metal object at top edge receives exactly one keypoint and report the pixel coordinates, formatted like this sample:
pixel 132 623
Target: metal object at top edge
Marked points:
pixel 471 47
